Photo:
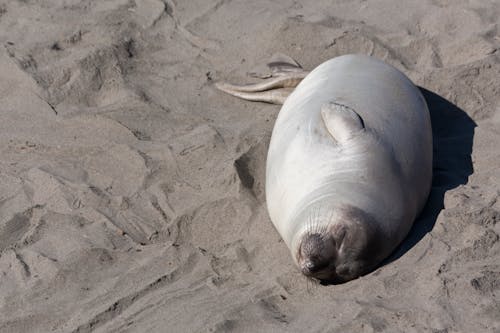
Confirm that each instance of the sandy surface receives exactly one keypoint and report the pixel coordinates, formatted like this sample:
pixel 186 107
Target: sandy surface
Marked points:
pixel 132 195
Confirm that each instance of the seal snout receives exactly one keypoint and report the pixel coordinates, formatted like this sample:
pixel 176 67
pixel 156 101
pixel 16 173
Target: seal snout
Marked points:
pixel 316 254
pixel 310 267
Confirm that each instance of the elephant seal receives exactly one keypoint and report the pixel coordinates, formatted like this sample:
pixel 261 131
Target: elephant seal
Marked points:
pixel 349 166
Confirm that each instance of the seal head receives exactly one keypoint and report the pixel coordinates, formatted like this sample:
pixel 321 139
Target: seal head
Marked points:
pixel 341 251
pixel 317 255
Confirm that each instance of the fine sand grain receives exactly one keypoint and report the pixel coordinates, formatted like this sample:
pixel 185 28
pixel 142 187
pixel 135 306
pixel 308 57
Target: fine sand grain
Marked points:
pixel 132 191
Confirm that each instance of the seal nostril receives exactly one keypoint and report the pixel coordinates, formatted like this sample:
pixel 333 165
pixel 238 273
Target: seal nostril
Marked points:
pixel 311 266
pixel 307 268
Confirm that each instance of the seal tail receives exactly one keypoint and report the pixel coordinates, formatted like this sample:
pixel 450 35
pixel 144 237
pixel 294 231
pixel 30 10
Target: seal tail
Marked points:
pixel 285 75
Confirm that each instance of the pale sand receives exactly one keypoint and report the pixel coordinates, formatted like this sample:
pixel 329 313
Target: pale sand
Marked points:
pixel 132 191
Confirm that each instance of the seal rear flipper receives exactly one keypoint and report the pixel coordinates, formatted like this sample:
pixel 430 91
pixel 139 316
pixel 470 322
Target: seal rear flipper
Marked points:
pixel 342 122
pixel 286 80
pixel 274 96
pixel 281 64
pixel 285 75
pixel 274 90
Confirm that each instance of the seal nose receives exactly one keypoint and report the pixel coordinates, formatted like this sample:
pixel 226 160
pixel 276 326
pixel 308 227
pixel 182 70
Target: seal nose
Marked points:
pixel 312 266
pixel 317 253
pixel 308 267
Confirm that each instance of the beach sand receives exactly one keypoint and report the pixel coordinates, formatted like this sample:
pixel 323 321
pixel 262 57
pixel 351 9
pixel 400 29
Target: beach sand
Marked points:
pixel 132 191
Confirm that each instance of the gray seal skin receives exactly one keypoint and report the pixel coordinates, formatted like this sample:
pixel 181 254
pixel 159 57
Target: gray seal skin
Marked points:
pixel 349 166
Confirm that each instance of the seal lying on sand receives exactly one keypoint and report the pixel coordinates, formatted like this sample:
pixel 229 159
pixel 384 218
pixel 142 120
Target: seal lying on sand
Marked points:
pixel 349 166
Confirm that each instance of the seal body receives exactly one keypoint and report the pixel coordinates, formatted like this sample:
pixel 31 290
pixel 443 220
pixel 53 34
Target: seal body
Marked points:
pixel 349 166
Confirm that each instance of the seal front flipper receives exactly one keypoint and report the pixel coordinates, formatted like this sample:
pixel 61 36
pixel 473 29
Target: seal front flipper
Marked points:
pixel 342 122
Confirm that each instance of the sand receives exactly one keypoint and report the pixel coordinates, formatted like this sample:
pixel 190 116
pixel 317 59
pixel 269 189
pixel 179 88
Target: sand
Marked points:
pixel 132 191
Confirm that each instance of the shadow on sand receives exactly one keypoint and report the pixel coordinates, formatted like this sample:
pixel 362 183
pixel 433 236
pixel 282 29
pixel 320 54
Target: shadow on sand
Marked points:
pixel 453 132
